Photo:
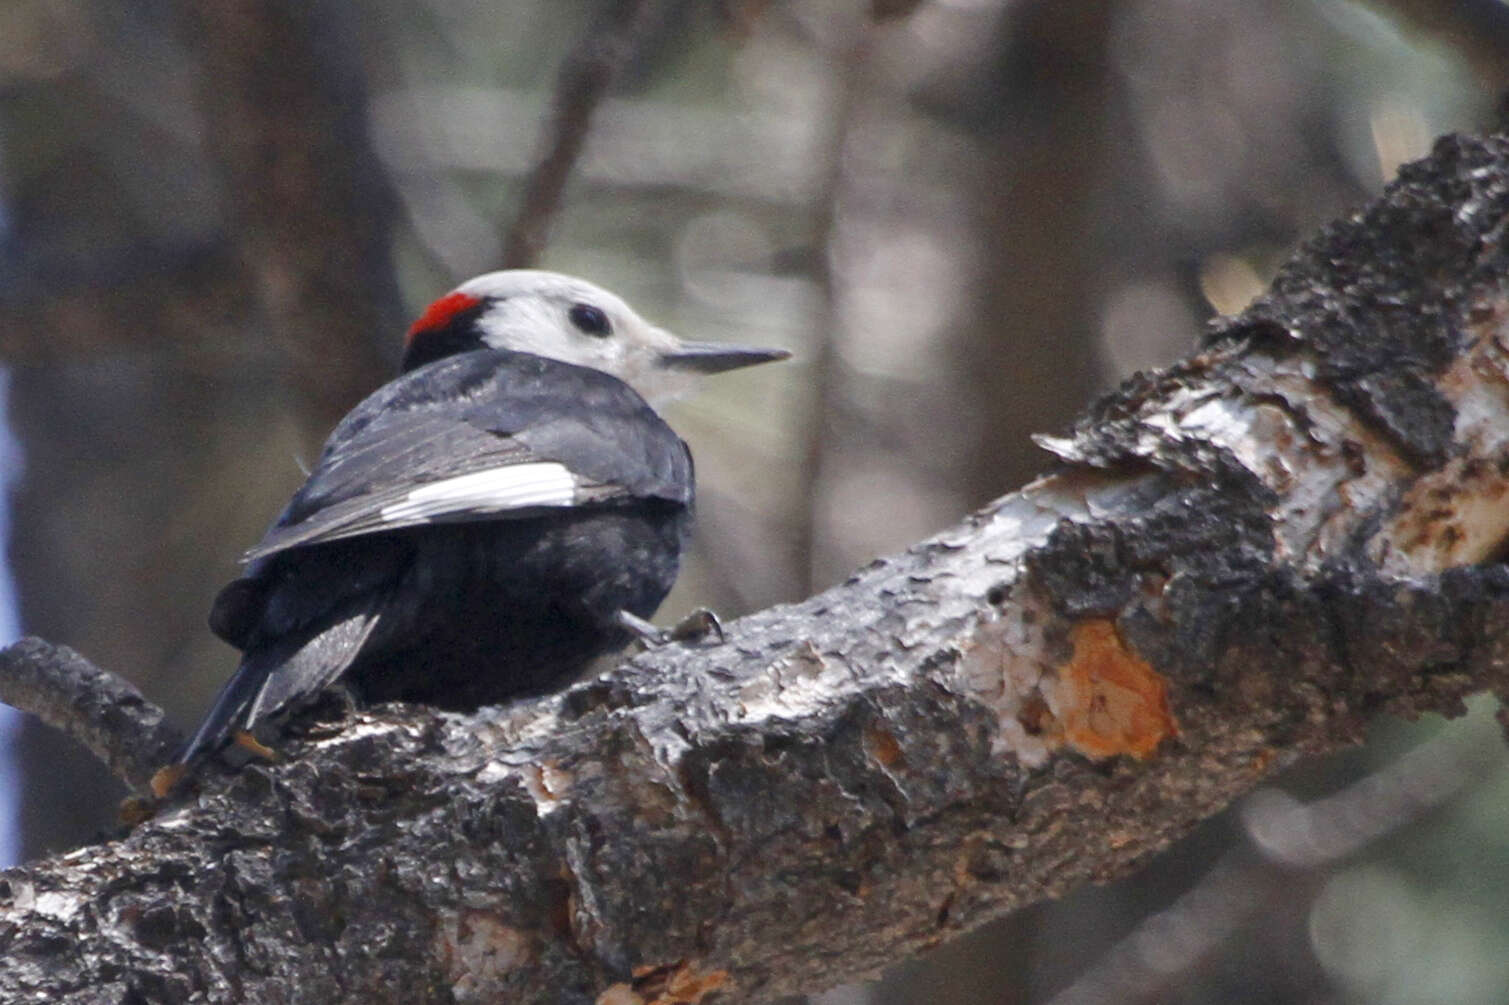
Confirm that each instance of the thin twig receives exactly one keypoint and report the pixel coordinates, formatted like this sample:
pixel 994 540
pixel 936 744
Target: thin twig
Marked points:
pixel 105 712
pixel 584 80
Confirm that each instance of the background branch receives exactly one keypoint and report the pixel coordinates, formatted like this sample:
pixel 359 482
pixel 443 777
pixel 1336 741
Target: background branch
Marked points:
pixel 585 79
pixel 1287 843
pixel 104 712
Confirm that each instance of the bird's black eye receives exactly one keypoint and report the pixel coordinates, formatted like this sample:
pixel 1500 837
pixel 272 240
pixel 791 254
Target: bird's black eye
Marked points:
pixel 590 319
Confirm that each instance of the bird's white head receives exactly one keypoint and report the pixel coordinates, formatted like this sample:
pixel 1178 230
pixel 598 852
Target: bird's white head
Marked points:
pixel 569 319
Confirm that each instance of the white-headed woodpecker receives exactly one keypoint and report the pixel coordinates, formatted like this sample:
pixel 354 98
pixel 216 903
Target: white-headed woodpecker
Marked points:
pixel 484 525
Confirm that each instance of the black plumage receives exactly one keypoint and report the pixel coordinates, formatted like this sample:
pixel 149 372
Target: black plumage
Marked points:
pixel 466 598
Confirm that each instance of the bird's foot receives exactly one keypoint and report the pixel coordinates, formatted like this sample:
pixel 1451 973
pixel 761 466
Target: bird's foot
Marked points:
pixel 246 741
pixel 165 780
pixel 326 715
pixel 696 627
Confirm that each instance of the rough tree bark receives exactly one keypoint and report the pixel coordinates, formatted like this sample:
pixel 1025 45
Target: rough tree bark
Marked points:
pixel 1241 560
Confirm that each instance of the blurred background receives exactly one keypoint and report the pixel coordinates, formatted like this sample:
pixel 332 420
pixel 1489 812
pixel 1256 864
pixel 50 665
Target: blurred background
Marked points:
pixel 964 217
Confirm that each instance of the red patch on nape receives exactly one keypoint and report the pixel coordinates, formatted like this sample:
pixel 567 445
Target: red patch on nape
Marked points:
pixel 440 313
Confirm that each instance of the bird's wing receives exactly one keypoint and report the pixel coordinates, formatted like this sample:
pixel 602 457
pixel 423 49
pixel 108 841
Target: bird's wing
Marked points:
pixel 424 468
pixel 484 436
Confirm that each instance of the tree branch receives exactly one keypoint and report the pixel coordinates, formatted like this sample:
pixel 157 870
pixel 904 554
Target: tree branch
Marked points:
pixel 105 713
pixel 1242 560
pixel 588 73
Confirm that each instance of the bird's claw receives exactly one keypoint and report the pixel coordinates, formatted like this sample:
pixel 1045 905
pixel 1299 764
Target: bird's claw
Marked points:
pixel 697 626
pixel 246 741
pixel 694 628
pixel 166 779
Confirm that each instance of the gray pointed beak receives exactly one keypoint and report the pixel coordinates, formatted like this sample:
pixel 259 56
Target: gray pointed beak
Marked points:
pixel 715 357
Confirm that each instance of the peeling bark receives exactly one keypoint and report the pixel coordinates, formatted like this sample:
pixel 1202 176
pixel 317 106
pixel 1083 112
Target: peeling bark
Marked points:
pixel 1242 560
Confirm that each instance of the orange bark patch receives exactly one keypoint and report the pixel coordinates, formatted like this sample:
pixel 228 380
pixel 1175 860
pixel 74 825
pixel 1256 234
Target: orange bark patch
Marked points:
pixel 679 983
pixel 1112 701
pixel 882 745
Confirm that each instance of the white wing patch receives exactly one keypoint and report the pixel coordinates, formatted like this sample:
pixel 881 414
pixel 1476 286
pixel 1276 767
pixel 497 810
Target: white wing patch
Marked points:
pixel 516 486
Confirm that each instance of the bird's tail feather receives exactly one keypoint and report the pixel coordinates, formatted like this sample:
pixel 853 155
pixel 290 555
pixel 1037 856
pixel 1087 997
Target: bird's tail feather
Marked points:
pixel 277 679
pixel 228 711
pixel 313 666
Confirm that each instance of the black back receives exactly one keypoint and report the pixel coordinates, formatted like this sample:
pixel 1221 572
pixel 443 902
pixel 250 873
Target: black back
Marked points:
pixel 462 608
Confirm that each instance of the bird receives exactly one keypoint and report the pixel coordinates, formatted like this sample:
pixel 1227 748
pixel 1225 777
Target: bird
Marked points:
pixel 482 527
